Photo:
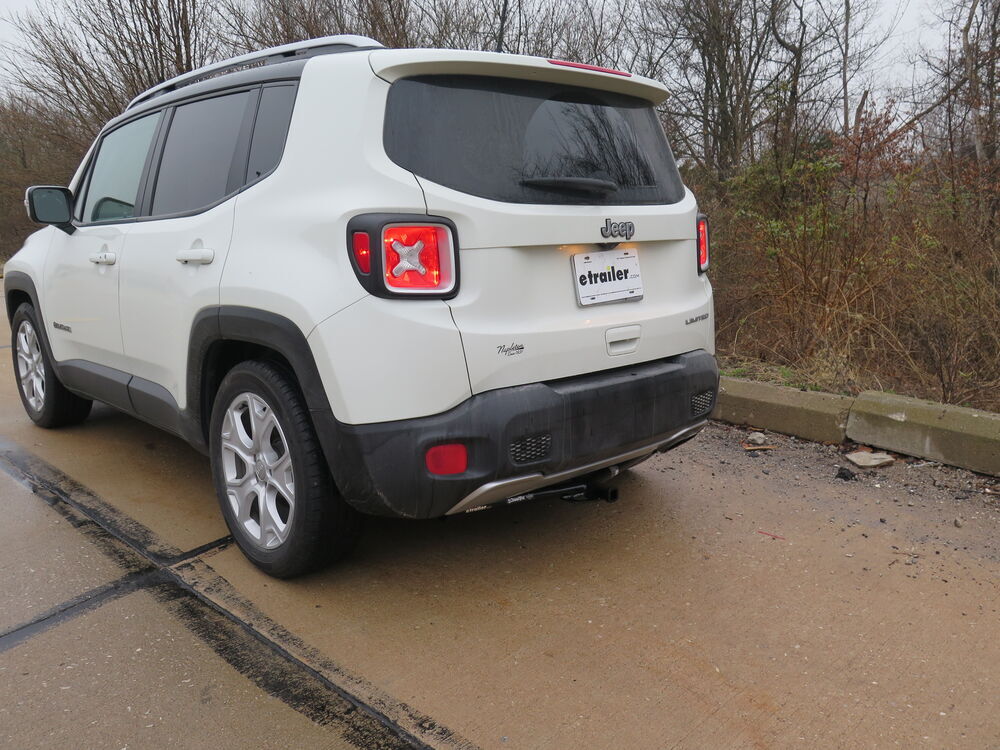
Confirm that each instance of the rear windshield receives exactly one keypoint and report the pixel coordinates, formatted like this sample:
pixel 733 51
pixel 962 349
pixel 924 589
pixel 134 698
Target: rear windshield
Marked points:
pixel 530 142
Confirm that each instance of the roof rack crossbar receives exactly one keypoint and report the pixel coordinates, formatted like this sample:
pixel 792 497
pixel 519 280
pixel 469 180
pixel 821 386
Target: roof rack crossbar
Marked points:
pixel 266 56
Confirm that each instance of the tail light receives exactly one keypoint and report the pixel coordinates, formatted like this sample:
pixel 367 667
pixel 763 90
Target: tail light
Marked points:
pixel 361 245
pixel 399 255
pixel 418 259
pixel 703 248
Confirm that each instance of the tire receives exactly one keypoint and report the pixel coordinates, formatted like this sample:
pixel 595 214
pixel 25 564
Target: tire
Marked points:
pixel 273 484
pixel 44 397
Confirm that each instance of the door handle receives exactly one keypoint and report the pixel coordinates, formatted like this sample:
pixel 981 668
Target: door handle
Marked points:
pixel 622 340
pixel 198 255
pixel 104 259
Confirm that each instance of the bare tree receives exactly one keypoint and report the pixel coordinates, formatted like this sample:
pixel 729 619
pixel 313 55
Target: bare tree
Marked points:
pixel 32 151
pixel 720 69
pixel 857 39
pixel 88 58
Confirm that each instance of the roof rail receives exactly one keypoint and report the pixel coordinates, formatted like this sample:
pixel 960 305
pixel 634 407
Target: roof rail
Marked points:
pixel 265 56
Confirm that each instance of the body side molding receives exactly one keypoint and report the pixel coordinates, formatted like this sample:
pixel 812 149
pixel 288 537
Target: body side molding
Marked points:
pixel 97 382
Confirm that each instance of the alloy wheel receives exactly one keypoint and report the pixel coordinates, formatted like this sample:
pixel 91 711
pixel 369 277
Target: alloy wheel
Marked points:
pixel 257 465
pixel 30 366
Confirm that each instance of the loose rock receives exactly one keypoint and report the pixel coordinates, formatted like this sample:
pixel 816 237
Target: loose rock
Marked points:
pixel 867 460
pixel 757 438
pixel 959 522
pixel 846 474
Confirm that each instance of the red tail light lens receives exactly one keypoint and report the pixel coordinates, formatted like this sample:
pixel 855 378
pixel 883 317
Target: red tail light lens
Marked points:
pixel 703 249
pixel 418 259
pixel 361 245
pixel 451 458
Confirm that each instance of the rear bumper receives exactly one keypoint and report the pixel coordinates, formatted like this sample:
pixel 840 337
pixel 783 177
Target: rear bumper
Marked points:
pixel 522 438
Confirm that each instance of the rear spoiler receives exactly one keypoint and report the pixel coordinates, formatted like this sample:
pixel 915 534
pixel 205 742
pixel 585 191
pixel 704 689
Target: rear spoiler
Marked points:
pixel 393 64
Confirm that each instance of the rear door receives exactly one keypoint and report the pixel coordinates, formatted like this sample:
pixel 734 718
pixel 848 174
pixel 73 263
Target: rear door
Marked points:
pixel 577 235
pixel 176 255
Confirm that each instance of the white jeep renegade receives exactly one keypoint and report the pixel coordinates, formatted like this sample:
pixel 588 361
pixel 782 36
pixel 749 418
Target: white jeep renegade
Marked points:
pixel 397 282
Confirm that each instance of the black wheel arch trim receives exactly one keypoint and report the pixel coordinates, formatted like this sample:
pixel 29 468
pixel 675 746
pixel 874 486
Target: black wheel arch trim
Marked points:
pixel 18 281
pixel 234 323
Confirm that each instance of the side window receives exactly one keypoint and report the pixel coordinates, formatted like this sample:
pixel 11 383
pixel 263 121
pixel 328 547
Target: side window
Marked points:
pixel 269 131
pixel 198 154
pixel 114 178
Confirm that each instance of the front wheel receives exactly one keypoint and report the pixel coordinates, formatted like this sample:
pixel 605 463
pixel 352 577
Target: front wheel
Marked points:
pixel 272 481
pixel 45 399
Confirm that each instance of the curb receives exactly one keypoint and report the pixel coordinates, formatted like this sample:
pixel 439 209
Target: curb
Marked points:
pixel 814 416
pixel 954 435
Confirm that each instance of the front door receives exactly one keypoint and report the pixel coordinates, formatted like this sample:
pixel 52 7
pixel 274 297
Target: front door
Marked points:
pixel 80 283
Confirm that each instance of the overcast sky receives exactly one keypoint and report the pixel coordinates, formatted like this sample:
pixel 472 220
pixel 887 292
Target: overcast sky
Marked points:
pixel 916 26
pixel 6 8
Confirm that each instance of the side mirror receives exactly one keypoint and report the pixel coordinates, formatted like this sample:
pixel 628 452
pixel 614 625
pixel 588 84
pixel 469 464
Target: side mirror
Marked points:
pixel 48 204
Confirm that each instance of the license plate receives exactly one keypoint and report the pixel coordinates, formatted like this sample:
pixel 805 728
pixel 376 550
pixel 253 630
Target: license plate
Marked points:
pixel 607 276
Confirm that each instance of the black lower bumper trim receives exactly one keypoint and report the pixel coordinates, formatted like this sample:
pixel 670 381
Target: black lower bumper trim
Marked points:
pixel 380 468
pixel 494 492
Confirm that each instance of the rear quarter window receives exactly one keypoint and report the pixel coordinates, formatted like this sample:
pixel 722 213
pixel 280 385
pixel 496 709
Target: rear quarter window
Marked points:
pixel 274 113
pixel 530 142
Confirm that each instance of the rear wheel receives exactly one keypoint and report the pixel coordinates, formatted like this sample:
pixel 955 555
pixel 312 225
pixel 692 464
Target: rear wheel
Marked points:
pixel 271 478
pixel 45 399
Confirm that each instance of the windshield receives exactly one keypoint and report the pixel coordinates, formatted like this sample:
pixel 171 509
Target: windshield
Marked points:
pixel 530 142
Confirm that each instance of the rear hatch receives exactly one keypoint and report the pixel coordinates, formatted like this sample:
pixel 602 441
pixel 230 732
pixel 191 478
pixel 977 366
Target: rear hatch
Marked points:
pixel 576 234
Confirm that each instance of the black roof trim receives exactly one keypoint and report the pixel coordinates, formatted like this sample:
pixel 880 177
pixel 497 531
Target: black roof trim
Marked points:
pixel 273 55
pixel 286 71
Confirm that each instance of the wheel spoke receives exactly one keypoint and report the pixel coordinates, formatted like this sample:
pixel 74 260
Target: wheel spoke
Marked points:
pixel 240 451
pixel 279 464
pixel 242 496
pixel 269 524
pixel 24 360
pixel 242 483
pixel 261 421
pixel 234 432
pixel 23 344
pixel 283 480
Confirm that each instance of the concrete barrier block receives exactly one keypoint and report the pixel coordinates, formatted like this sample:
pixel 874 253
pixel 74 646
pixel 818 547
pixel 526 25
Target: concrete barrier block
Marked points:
pixel 814 416
pixel 951 434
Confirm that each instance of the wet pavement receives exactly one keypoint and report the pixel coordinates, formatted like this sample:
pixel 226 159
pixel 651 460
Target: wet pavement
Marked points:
pixel 731 598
